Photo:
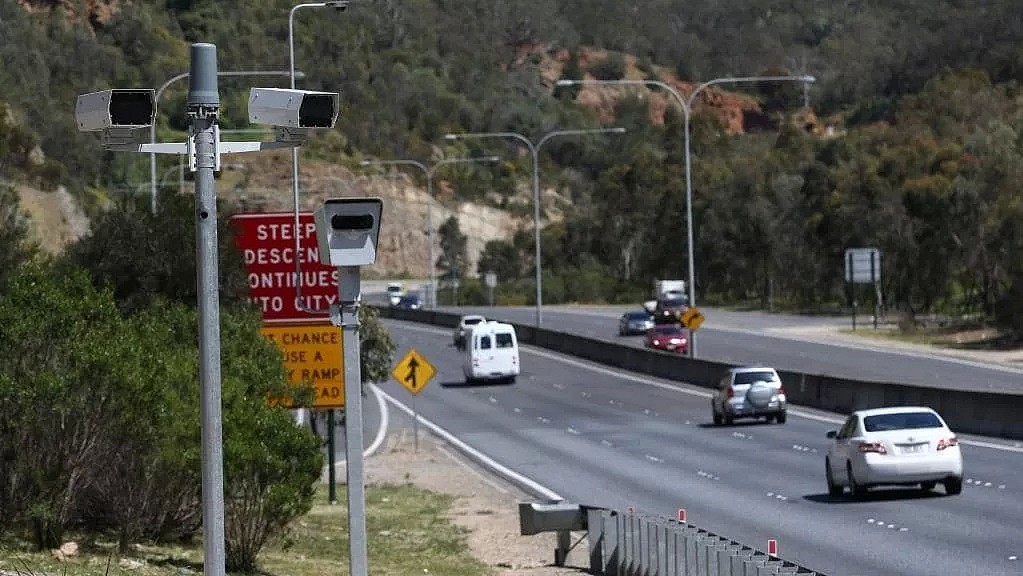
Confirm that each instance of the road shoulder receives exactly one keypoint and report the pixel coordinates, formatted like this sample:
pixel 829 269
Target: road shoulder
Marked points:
pixel 485 506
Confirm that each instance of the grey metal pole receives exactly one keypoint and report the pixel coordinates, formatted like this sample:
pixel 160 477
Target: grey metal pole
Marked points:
pixel 432 300
pixel 332 484
pixel 689 231
pixel 351 295
pixel 536 232
pixel 203 106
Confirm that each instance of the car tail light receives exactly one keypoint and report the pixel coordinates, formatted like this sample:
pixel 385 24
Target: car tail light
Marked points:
pixel 781 391
pixel 947 443
pixel 875 447
pixel 657 342
pixel 729 392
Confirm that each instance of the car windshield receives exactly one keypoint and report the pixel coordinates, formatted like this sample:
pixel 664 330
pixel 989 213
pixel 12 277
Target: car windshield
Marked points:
pixel 673 303
pixel 666 330
pixel 471 321
pixel 637 316
pixel 901 421
pixel 751 377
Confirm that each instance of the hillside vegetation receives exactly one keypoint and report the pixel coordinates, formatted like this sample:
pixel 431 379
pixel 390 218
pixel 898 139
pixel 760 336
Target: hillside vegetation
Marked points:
pixel 917 153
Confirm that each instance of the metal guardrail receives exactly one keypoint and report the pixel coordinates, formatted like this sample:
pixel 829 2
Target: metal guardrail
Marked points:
pixel 633 544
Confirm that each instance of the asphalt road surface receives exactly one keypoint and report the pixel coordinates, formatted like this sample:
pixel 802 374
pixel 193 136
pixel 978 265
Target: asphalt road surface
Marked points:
pixel 607 438
pixel 743 338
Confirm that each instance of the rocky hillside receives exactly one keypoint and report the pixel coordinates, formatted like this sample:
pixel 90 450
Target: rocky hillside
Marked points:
pixel 262 182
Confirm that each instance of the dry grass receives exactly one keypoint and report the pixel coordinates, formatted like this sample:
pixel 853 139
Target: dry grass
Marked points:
pixel 408 533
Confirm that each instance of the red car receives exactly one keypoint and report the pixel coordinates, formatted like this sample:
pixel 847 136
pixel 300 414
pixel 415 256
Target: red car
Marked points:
pixel 669 337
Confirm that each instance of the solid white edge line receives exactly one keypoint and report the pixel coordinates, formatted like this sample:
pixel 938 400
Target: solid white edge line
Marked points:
pixel 381 431
pixel 702 394
pixel 472 470
pixel 524 482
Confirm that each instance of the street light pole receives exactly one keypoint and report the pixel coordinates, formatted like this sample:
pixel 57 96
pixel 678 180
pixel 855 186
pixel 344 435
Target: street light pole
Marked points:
pixel 300 413
pixel 686 105
pixel 429 172
pixel 156 103
pixel 534 150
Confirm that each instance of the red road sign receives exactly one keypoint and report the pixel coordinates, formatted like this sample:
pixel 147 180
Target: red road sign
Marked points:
pixel 267 242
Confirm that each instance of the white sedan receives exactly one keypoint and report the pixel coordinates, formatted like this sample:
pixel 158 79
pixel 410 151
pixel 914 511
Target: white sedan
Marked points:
pixel 903 446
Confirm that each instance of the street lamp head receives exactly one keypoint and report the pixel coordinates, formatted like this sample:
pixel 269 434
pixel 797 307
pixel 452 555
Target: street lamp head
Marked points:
pixel 452 136
pixel 299 74
pixel 490 159
pixel 618 130
pixel 365 163
pixel 564 82
pixel 809 79
pixel 340 5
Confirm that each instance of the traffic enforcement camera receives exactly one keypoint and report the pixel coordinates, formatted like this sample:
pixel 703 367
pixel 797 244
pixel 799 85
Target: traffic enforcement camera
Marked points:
pixel 347 230
pixel 123 115
pixel 293 112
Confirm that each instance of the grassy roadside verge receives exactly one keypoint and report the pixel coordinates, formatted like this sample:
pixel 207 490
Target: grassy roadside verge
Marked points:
pixel 408 533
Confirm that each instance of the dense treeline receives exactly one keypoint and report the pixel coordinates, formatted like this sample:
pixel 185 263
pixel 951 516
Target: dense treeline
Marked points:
pixel 924 95
pixel 100 423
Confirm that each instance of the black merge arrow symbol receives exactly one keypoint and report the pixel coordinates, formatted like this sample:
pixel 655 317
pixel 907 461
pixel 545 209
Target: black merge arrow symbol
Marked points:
pixel 413 365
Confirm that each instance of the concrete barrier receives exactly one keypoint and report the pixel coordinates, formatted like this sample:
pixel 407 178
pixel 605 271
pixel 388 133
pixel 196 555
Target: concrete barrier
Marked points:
pixel 986 413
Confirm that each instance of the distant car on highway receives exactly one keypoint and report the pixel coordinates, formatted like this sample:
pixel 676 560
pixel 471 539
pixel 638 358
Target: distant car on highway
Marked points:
pixel 906 445
pixel 394 293
pixel 668 310
pixel 463 323
pixel 749 392
pixel 668 337
pixel 410 302
pixel 636 322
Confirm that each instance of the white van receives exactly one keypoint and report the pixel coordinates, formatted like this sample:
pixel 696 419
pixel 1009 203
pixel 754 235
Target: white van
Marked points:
pixel 491 352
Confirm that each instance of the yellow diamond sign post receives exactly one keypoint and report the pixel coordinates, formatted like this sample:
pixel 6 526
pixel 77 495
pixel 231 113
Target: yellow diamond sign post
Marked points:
pixel 692 319
pixel 414 372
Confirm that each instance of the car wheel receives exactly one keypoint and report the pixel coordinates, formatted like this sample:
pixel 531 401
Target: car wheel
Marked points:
pixel 780 417
pixel 833 489
pixel 927 486
pixel 717 418
pixel 729 420
pixel 953 486
pixel 857 490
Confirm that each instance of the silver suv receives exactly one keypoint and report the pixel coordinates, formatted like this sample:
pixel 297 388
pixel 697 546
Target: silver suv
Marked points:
pixel 749 392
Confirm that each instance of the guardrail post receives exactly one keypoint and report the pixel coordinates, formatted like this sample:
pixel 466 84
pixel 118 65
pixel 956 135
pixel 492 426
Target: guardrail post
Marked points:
pixel 737 562
pixel 564 544
pixel 753 565
pixel 725 555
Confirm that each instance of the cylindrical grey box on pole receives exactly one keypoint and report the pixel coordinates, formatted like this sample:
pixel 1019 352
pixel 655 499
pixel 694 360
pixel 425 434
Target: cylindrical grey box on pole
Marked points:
pixel 203 105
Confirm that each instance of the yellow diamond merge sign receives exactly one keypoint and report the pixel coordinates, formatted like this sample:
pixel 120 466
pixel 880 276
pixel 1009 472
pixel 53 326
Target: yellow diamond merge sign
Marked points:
pixel 413 372
pixel 692 319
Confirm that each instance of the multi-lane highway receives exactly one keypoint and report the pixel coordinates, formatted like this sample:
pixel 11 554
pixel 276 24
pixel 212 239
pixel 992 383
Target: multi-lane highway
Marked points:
pixel 743 338
pixel 613 439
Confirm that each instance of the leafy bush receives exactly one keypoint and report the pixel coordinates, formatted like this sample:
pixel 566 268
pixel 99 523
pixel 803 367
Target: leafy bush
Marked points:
pixel 610 68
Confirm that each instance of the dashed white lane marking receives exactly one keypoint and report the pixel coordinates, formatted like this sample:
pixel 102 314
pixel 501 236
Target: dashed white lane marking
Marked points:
pixel 777 496
pixel 585 394
pixel 741 435
pixel 493 400
pixel 982 483
pixel 1017 447
pixel 801 448
pixel 1012 558
pixel 571 430
pixel 646 411
pixel 607 443
pixel 887 525
pixel 559 386
pixel 543 420
pixel 517 410
pixel 653 458
pixel 473 470
pixel 703 474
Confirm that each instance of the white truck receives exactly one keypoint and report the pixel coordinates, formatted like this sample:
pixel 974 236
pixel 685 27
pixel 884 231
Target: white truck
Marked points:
pixel 666 290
